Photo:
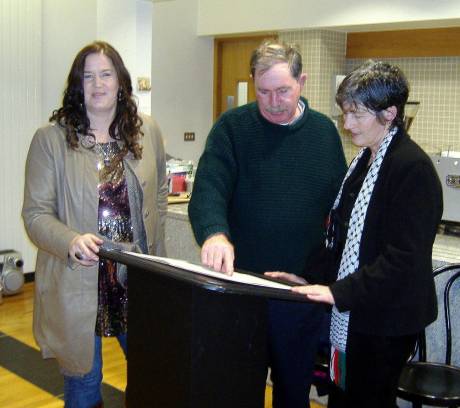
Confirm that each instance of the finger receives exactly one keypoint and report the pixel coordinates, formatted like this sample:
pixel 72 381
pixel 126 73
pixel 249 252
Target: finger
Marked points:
pixel 207 256
pixel 87 253
pixel 92 252
pixel 92 243
pixel 86 257
pixel 227 266
pixel 87 262
pixel 204 255
pixel 275 274
pixel 217 261
pixel 96 242
pixel 304 290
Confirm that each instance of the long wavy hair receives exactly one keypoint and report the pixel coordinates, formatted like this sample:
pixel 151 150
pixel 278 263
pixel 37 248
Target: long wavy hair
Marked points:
pixel 72 116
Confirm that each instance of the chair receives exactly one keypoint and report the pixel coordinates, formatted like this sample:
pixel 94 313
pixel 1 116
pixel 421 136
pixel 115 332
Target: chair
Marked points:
pixel 321 379
pixel 433 383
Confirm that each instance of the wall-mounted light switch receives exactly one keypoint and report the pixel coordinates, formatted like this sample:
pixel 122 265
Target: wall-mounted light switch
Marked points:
pixel 189 136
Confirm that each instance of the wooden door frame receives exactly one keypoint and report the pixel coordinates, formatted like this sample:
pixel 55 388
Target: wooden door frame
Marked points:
pixel 217 79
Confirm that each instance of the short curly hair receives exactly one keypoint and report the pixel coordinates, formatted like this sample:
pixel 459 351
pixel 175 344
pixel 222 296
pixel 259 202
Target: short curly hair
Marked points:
pixel 376 85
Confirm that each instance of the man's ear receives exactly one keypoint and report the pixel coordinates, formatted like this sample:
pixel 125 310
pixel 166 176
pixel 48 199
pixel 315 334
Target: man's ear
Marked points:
pixel 302 79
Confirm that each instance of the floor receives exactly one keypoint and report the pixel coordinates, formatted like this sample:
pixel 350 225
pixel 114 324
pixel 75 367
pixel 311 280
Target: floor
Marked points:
pixel 28 381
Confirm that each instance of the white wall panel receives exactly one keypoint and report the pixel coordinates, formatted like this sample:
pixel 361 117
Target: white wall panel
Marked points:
pixel 243 16
pixel 182 77
pixel 67 26
pixel 20 83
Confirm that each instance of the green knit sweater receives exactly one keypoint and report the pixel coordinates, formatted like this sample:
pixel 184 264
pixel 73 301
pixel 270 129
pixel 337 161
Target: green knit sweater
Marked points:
pixel 268 187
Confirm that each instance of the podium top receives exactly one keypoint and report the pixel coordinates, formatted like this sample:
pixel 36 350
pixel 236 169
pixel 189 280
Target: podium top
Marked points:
pixel 254 284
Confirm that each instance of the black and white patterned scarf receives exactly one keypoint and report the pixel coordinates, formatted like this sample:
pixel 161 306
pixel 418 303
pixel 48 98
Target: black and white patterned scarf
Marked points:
pixel 350 257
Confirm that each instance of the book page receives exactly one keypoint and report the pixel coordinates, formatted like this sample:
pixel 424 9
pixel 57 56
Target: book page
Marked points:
pixel 236 277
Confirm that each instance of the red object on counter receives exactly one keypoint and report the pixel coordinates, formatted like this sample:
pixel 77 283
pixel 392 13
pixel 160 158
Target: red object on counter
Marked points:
pixel 178 184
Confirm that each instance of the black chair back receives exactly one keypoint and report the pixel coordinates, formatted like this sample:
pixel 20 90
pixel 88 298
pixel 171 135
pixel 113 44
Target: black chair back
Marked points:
pixel 447 307
pixel 425 381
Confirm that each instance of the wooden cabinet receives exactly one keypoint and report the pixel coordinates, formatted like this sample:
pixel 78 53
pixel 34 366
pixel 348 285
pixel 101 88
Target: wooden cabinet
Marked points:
pixel 436 42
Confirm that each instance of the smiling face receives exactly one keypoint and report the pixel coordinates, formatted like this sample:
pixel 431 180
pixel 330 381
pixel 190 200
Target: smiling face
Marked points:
pixel 100 85
pixel 365 127
pixel 278 93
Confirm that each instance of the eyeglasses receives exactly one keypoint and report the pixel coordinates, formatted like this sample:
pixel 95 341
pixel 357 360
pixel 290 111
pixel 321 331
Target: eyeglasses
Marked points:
pixel 358 115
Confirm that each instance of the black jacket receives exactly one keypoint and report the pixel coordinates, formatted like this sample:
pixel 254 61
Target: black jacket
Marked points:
pixel 392 293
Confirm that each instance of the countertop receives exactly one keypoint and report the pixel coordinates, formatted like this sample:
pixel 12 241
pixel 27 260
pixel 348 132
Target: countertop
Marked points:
pixel 446 248
pixel 178 211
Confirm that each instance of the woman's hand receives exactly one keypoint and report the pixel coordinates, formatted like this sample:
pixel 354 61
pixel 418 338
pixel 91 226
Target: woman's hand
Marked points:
pixel 317 293
pixel 84 248
pixel 288 277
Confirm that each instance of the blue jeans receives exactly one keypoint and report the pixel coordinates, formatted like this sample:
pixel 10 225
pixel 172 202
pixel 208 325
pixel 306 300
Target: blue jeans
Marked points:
pixel 85 391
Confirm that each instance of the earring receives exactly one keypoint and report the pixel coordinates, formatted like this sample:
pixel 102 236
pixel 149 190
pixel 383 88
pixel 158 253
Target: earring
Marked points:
pixel 120 95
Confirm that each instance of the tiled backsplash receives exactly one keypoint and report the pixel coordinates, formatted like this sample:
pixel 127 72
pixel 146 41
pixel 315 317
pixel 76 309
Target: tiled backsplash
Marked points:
pixel 323 56
pixel 435 83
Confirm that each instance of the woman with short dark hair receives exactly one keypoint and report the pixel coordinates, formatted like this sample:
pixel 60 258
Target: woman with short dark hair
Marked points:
pixel 376 267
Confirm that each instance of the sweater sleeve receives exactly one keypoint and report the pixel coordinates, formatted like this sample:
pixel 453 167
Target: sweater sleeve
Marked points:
pixel 410 219
pixel 214 183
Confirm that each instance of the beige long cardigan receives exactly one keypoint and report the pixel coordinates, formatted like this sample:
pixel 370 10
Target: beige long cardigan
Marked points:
pixel 61 201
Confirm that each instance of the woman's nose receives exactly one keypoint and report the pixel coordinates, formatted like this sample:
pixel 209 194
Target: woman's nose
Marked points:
pixel 346 122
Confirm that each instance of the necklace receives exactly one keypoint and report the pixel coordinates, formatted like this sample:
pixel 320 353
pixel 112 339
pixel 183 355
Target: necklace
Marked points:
pixel 107 151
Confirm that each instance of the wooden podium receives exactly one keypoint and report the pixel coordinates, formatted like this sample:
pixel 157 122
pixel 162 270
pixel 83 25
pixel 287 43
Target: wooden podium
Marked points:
pixel 194 341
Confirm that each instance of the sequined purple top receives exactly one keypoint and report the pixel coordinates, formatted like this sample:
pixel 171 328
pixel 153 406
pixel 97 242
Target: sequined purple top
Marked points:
pixel 114 223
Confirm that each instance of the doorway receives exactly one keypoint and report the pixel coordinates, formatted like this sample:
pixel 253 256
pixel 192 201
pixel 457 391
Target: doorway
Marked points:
pixel 233 85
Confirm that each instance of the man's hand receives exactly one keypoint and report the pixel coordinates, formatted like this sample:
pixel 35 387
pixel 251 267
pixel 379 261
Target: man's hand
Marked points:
pixel 84 248
pixel 218 253
pixel 317 293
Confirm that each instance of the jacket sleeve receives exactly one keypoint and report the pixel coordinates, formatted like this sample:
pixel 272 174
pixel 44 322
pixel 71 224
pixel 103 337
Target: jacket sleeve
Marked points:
pixel 213 185
pixel 162 194
pixel 40 206
pixel 409 219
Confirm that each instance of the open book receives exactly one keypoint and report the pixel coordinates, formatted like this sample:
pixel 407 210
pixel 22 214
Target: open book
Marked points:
pixel 236 277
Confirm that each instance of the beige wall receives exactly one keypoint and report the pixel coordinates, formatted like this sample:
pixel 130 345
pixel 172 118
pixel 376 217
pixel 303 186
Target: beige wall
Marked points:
pixel 182 77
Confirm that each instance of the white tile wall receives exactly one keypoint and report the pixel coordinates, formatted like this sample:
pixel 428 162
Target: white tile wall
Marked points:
pixel 435 82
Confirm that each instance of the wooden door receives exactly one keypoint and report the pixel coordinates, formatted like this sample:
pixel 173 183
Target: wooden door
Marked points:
pixel 232 70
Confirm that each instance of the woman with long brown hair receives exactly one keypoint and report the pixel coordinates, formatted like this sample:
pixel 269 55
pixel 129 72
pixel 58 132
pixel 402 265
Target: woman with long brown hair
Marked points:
pixel 94 175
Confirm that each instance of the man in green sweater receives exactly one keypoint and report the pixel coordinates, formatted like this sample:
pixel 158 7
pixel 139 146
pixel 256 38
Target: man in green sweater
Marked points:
pixel 264 186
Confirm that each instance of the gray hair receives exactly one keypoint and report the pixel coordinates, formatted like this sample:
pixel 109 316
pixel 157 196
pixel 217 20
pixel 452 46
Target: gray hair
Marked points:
pixel 272 52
